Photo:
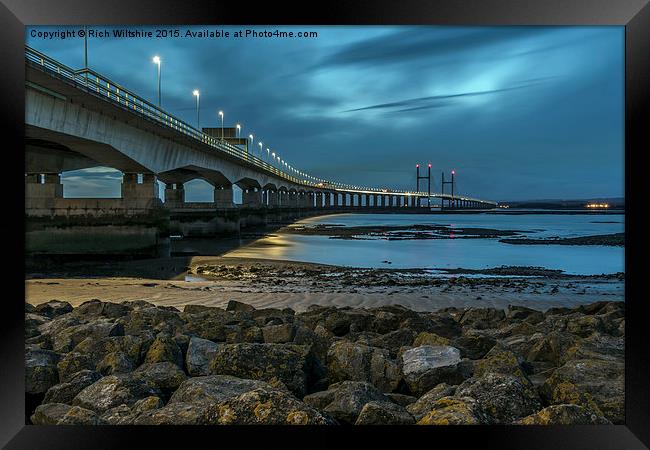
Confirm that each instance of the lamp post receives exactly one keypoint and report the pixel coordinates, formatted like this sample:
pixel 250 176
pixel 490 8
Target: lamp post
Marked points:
pixel 221 115
pixel 197 94
pixel 156 60
pixel 251 137
pixel 238 126
pixel 261 144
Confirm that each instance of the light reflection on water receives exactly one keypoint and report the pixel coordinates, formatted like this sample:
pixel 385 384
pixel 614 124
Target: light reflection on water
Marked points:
pixel 453 253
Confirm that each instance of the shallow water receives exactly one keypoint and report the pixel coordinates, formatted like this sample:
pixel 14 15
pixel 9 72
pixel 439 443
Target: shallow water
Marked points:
pixel 479 253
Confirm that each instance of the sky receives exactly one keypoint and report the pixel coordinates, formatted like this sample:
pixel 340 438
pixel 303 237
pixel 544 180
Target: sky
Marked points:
pixel 518 112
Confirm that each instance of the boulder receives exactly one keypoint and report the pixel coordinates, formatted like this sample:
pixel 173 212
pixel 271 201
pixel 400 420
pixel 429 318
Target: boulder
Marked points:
pixel 551 347
pixel 425 403
pixel 65 392
pixel 358 362
pixel 426 338
pixel 500 360
pixel 482 318
pixel 269 406
pixel 597 346
pixel 596 384
pixel 504 397
pixel 212 389
pixel 164 349
pixel 199 354
pixel 473 345
pixel 564 415
pixel 393 340
pixel 401 399
pixel 385 322
pixel 345 400
pixel 291 364
pixel 318 340
pixel 384 413
pixel 584 326
pixel 114 390
pixel 165 375
pixel 234 305
pixel 61 414
pixel 179 413
pixel 119 415
pixel 146 320
pixel 67 338
pixel 279 334
pixel 521 313
pixel 72 363
pixel 40 370
pixel 426 366
pixel 53 308
pixel 456 411
pixel 96 308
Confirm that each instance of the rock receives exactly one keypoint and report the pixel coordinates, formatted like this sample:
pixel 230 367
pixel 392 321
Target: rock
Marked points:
pixel 66 339
pixel 213 389
pixel 234 305
pixel 32 324
pixel 151 319
pixel 521 313
pixel 357 362
pixel 119 415
pixel 344 401
pixel 40 370
pixel 443 324
pixel 289 363
pixel 401 399
pixel 338 321
pixel 500 360
pixel 424 404
pixel 318 340
pixel 29 308
pixel 268 406
pixel 482 318
pixel 147 404
pixel 426 366
pixel 179 414
pixel 65 392
pixel 49 413
pixel 504 397
pixel 473 345
pixel 384 413
pixel 564 415
pixel 199 354
pixel 384 322
pixel 115 362
pixel 165 375
pixel 586 325
pixel 596 384
pixel 243 333
pixel 61 414
pixel 80 416
pixel 114 390
pixel 72 363
pixel 597 346
pixel 112 354
pixel 426 338
pixel 393 340
pixel 53 308
pixel 164 348
pixel 96 308
pixel 210 324
pixel 279 334
pixel 456 411
pixel 551 347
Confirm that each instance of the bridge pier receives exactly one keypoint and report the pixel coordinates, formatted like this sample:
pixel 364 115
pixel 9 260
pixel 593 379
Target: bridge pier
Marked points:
pixel 272 198
pixel 174 195
pixel 223 197
pixel 336 200
pixel 319 199
pixel 42 189
pixel 251 198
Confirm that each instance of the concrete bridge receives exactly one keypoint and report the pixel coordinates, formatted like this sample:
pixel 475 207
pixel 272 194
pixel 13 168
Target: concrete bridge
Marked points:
pixel 76 119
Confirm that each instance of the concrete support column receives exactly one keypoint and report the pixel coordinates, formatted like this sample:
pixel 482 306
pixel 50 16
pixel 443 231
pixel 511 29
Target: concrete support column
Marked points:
pixel 273 198
pixel 139 193
pixel 251 198
pixel 336 200
pixel 328 199
pixel 50 187
pixel 174 195
pixel 319 199
pixel 293 199
pixel 223 197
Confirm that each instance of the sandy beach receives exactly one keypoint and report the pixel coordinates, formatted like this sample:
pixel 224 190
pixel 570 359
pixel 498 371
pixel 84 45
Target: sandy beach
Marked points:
pixel 214 280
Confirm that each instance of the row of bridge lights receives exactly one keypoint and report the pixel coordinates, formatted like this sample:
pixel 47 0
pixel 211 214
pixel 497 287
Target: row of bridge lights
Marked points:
pixel 276 159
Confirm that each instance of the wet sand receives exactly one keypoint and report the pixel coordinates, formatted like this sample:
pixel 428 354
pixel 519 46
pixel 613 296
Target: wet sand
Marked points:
pixel 214 280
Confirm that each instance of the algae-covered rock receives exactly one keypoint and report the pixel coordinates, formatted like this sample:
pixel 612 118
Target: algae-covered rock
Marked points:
pixel 456 411
pixel 358 362
pixel 199 354
pixel 65 392
pixel 114 390
pixel 564 415
pixel 345 400
pixel 505 398
pixel 53 308
pixel 384 413
pixel 164 349
pixel 425 403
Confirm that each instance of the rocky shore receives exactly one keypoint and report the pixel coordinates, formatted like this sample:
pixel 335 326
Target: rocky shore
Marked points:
pixel 137 363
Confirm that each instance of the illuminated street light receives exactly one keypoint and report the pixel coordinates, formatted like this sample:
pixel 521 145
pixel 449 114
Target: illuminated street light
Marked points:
pixel 238 126
pixel 251 137
pixel 197 94
pixel 261 144
pixel 156 60
pixel 221 114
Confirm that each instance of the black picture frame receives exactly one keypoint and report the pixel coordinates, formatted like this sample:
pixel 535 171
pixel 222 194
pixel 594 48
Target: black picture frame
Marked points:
pixel 15 14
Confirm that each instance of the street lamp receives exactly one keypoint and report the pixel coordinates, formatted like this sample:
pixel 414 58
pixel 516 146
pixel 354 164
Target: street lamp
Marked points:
pixel 251 137
pixel 156 60
pixel 238 126
pixel 197 95
pixel 221 115
pixel 261 144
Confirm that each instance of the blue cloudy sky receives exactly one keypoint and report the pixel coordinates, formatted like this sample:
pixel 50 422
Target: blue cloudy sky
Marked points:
pixel 518 112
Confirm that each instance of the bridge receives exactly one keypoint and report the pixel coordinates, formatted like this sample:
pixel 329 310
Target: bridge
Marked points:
pixel 77 119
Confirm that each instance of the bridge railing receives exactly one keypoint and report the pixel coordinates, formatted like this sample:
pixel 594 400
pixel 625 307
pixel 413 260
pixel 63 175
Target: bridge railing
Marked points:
pixel 105 89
